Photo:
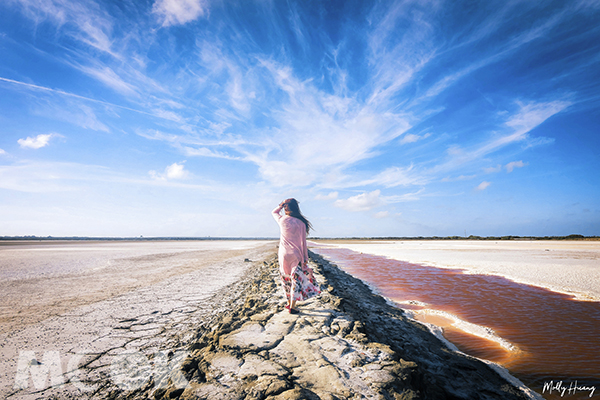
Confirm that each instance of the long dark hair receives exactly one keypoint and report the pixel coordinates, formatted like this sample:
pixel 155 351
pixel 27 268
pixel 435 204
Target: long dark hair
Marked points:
pixel 294 210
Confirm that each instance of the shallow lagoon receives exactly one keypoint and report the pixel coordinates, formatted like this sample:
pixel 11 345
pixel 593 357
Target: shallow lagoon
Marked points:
pixel 539 334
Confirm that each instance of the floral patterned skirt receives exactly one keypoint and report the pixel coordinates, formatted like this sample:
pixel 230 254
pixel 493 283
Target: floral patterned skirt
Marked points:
pixel 301 285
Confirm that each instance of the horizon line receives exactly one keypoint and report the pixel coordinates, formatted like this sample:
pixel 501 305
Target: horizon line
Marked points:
pixel 191 238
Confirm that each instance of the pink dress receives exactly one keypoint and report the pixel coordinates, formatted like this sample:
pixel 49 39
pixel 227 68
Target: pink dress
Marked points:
pixel 296 277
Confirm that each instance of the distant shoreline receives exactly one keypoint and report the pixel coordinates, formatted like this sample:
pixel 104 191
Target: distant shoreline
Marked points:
pixel 417 238
pixel 171 238
pixel 126 239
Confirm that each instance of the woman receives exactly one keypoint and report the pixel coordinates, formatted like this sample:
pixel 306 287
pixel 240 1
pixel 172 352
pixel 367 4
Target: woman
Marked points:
pixel 297 278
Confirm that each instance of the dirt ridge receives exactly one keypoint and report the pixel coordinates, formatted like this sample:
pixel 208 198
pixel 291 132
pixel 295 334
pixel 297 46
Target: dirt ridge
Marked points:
pixel 346 343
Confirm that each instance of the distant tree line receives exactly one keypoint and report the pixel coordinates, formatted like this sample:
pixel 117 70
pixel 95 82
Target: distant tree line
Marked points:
pixel 472 237
pixel 139 238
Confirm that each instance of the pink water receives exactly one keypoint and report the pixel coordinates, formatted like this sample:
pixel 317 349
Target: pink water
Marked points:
pixel 558 337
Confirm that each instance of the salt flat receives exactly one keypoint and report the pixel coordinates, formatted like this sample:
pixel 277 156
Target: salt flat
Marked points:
pixel 571 267
pixel 103 298
pixel 39 280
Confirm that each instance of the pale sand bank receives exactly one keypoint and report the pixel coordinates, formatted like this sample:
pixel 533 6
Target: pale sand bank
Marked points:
pixel 39 280
pixel 571 267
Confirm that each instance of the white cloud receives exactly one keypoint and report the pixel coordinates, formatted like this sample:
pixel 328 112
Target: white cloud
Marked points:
pixel 38 141
pixel 179 12
pixel 173 171
pixel 318 135
pixel 362 202
pixel 490 170
pixel 2 151
pixel 411 138
pixel 330 196
pixel 483 185
pixel 515 164
pixel 381 214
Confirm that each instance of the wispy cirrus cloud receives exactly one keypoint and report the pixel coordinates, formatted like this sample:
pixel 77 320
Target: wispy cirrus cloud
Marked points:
pixel 517 126
pixel 314 135
pixel 73 112
pixel 83 20
pixel 395 176
pixel 363 106
pixel 107 76
pixel 30 86
pixel 530 115
pixel 317 132
pixel 403 198
pixel 396 62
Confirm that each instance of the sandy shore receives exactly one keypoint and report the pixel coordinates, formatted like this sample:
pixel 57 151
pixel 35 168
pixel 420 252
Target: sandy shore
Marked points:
pixel 571 267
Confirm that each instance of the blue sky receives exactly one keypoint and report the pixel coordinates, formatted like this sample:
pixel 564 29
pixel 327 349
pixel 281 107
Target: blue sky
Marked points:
pixel 383 118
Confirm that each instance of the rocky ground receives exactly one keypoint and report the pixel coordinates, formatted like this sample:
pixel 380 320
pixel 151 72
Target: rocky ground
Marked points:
pixel 348 343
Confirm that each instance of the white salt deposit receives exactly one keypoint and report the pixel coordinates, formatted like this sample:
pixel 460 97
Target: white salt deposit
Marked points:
pixel 483 332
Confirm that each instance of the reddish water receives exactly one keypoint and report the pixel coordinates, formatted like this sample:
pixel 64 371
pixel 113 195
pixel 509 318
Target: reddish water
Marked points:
pixel 558 337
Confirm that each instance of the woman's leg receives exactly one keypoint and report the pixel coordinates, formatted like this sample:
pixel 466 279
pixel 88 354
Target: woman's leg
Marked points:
pixel 286 286
pixel 295 287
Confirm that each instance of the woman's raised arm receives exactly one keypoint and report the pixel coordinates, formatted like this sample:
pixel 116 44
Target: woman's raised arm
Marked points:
pixel 275 212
